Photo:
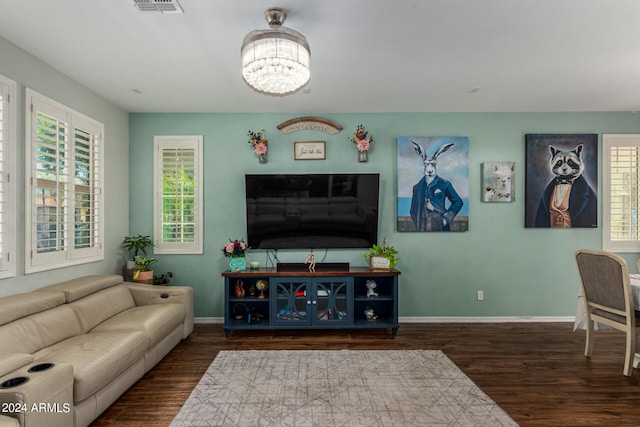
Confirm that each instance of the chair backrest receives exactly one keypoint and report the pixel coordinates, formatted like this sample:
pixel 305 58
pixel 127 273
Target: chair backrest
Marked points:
pixel 605 282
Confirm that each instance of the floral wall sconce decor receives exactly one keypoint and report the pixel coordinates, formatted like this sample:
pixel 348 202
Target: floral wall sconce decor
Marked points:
pixel 362 140
pixel 259 144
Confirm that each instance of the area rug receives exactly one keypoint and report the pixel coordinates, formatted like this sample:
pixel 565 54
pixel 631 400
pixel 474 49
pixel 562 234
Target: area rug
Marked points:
pixel 337 388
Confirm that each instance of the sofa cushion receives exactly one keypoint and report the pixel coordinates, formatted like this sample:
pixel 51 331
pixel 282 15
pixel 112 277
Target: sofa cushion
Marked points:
pixel 20 305
pixel 9 362
pixel 40 330
pixel 82 286
pixel 102 305
pixel 156 321
pixel 97 358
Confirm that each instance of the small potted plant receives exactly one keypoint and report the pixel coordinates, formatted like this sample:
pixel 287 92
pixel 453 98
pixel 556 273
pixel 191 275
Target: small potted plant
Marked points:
pixel 163 279
pixel 141 272
pixel 136 245
pixel 382 257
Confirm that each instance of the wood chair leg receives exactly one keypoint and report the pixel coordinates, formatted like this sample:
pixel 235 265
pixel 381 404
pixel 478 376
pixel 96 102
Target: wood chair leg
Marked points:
pixel 588 345
pixel 629 353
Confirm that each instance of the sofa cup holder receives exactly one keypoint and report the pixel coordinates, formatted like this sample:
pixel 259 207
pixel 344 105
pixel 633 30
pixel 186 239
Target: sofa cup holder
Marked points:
pixel 13 382
pixel 40 367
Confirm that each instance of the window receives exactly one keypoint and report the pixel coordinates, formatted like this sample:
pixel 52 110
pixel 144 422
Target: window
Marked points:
pixel 178 195
pixel 65 178
pixel 622 187
pixel 7 182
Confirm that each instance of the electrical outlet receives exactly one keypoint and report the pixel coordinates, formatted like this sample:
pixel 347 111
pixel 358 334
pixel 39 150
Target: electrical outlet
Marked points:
pixel 480 295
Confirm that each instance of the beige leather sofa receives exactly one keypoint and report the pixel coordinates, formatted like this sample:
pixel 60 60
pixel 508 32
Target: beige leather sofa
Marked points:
pixel 69 350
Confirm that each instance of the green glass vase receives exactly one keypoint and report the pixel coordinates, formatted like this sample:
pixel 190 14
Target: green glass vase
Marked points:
pixel 237 264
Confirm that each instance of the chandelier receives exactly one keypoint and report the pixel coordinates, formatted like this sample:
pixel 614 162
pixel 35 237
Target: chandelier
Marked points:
pixel 275 61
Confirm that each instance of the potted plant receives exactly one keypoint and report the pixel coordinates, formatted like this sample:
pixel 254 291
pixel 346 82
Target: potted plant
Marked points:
pixel 141 272
pixel 382 257
pixel 163 279
pixel 136 245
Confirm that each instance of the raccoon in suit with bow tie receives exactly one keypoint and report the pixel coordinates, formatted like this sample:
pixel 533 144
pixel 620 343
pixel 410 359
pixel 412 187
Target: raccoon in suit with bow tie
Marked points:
pixel 568 201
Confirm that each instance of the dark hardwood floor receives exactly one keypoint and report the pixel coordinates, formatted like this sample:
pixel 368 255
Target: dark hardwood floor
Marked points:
pixel 535 371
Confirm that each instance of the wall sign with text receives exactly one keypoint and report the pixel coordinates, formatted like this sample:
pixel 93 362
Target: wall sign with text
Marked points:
pixel 309 150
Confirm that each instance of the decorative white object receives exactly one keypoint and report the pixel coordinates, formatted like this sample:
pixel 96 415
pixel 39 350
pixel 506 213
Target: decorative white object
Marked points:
pixel 371 286
pixel 311 260
pixel 275 61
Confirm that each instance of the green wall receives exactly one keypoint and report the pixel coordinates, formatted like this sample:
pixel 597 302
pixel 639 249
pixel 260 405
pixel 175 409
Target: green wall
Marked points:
pixel 523 272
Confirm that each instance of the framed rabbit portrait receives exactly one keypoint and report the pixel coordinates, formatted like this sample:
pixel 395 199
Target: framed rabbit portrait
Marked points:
pixel 433 183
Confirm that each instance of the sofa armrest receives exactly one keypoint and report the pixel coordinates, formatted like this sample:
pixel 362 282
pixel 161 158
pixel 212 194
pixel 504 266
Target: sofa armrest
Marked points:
pixel 6 421
pixel 38 398
pixel 148 294
pixel 10 361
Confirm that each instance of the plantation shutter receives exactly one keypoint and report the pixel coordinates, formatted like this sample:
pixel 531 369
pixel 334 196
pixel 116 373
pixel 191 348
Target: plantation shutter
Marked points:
pixel 178 205
pixel 65 203
pixel 50 182
pixel 622 155
pixel 7 187
pixel 87 189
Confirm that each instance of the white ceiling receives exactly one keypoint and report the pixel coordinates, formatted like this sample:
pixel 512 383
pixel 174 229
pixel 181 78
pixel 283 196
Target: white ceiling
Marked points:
pixel 366 55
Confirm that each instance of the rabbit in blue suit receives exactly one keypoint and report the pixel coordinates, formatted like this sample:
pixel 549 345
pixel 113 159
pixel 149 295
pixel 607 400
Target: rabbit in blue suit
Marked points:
pixel 428 209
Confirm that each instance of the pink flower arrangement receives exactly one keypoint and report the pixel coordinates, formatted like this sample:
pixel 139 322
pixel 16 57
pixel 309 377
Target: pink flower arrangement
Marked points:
pixel 259 143
pixel 362 139
pixel 235 249
pixel 363 145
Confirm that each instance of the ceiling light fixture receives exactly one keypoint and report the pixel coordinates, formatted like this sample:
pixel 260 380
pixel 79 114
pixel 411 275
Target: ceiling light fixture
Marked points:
pixel 275 61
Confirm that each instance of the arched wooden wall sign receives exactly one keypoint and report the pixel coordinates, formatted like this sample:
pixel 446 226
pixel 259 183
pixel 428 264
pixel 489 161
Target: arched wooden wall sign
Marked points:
pixel 310 123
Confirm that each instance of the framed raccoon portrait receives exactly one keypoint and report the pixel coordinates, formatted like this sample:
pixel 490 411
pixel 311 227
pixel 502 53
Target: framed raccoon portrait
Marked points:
pixel 561 183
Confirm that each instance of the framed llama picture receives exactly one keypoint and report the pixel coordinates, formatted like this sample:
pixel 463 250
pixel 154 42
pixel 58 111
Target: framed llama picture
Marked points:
pixel 433 183
pixel 499 182
pixel 561 186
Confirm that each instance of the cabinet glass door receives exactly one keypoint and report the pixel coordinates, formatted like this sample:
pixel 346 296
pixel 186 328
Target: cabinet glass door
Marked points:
pixel 291 303
pixel 331 301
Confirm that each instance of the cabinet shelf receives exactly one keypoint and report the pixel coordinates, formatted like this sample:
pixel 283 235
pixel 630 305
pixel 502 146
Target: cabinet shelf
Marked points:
pixel 249 299
pixel 306 300
pixel 373 299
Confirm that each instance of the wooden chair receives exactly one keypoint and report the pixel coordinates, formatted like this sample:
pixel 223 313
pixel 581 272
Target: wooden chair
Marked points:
pixel 607 290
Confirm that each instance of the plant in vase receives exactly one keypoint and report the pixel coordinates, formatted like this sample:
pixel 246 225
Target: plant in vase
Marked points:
pixel 259 144
pixel 388 253
pixel 236 251
pixel 362 140
pixel 142 273
pixel 136 245
pixel 163 279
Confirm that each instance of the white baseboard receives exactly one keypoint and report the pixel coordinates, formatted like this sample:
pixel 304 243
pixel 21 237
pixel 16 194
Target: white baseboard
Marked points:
pixel 443 319
pixel 211 320
pixel 491 319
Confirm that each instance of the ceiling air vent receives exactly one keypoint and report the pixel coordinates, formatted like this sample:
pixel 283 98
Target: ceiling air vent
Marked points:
pixel 159 6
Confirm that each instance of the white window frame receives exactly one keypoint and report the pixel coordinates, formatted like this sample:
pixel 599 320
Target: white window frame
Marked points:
pixel 172 142
pixel 608 141
pixel 68 254
pixel 8 207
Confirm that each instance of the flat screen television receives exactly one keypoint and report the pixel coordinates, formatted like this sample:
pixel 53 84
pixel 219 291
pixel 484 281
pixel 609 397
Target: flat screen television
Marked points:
pixel 312 211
